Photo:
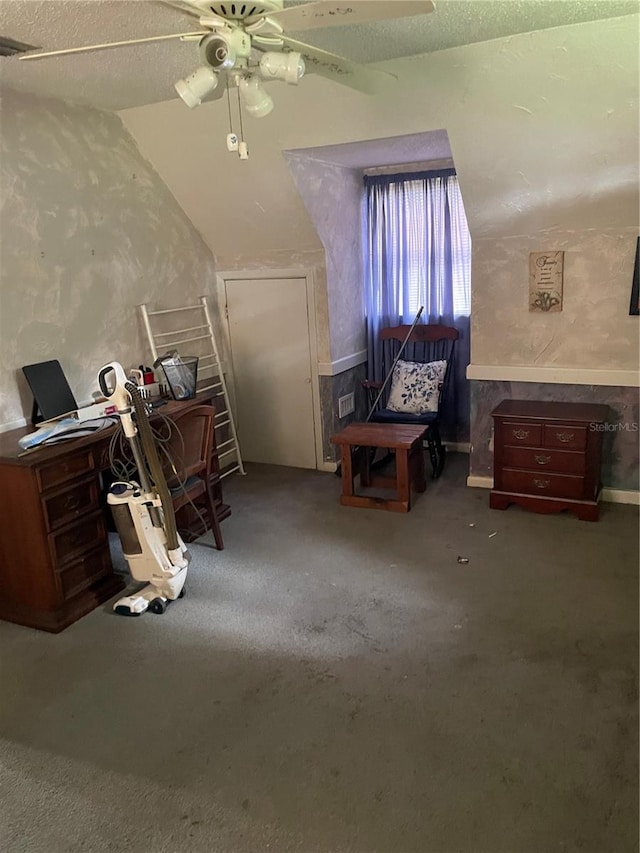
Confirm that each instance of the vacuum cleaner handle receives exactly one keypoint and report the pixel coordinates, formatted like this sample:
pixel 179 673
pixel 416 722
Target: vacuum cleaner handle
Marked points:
pixel 118 394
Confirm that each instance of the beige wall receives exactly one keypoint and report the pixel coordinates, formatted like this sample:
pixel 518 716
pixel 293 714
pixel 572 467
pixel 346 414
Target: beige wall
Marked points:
pixel 593 330
pixel 544 133
pixel 88 231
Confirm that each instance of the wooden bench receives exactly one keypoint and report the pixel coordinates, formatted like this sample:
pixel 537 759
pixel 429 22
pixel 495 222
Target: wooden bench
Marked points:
pixel 355 442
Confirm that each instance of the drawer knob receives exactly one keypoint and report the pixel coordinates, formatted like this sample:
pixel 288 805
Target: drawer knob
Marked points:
pixel 565 436
pixel 542 460
pixel 72 502
pixel 541 484
pixel 520 433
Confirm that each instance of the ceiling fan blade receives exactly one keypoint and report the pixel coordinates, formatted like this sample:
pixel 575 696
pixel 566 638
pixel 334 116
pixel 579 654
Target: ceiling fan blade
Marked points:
pixel 92 47
pixel 328 13
pixel 340 69
pixel 191 9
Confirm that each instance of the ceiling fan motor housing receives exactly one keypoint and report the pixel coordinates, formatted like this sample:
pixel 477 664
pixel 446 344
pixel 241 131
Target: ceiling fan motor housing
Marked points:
pixel 245 9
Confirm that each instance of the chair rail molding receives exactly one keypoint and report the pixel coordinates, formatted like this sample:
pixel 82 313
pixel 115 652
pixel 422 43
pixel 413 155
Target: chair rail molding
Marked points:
pixel 333 368
pixel 555 375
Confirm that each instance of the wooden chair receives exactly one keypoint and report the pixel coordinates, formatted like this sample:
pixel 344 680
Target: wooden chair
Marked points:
pixel 190 450
pixel 425 344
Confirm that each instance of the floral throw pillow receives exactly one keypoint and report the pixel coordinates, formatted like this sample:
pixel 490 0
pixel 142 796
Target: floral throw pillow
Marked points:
pixel 415 387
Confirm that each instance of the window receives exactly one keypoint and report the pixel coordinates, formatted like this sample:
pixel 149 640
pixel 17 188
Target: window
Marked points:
pixel 419 246
pixel 417 253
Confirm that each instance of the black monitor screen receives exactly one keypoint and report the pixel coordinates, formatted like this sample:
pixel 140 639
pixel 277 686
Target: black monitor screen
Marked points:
pixel 51 392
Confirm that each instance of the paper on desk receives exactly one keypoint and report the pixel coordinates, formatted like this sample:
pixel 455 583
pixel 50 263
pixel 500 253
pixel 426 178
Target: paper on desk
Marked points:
pixel 63 430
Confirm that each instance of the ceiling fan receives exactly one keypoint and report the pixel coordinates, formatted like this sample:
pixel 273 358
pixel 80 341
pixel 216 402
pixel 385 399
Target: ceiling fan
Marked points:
pixel 244 42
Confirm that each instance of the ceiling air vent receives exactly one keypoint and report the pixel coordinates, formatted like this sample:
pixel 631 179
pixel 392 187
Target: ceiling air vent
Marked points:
pixel 9 47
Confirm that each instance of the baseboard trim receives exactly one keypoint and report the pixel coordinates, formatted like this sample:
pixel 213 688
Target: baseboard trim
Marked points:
pixel 329 467
pixel 621 496
pixel 616 496
pixel 458 446
pixel 475 482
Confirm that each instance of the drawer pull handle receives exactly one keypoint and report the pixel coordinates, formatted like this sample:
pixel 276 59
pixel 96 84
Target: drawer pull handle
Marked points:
pixel 541 484
pixel 542 460
pixel 520 433
pixel 565 436
pixel 72 502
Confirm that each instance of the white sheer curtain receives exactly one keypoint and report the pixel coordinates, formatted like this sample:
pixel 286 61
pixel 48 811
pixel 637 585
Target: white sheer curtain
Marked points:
pixel 418 252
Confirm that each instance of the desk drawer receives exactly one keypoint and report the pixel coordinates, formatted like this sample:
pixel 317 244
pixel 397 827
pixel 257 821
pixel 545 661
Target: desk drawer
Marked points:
pixel 73 541
pixel 101 455
pixel 85 571
pixel 566 437
pixel 541 459
pixel 520 432
pixel 64 469
pixel 541 483
pixel 64 507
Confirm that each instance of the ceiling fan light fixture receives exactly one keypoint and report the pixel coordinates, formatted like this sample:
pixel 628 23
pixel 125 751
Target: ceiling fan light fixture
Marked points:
pixel 222 49
pixel 256 101
pixel 217 52
pixel 289 67
pixel 195 88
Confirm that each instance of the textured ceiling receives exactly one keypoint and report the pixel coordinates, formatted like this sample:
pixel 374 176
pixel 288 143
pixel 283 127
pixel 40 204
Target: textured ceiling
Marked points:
pixel 143 74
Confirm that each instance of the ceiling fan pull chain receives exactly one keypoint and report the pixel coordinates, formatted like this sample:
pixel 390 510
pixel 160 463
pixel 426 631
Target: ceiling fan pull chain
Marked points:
pixel 233 142
pixel 232 139
pixel 242 145
pixel 240 114
pixel 229 108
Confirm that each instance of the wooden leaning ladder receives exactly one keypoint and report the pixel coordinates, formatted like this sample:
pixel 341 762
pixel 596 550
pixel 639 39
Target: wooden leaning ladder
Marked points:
pixel 191 325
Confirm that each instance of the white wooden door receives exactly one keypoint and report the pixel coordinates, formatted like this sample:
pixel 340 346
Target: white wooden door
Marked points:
pixel 271 359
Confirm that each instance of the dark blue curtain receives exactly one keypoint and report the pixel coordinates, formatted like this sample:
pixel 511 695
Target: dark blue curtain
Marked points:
pixel 418 252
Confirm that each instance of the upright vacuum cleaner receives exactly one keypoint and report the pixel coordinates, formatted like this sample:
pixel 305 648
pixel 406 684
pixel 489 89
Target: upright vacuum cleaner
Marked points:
pixel 143 512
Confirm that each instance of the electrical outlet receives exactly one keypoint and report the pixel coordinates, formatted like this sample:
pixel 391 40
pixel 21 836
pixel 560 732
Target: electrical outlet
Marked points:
pixel 346 405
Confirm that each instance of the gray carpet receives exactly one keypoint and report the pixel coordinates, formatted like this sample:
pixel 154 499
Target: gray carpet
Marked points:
pixel 335 680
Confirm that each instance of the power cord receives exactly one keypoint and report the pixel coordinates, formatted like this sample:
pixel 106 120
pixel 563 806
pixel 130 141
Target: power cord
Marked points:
pixel 124 468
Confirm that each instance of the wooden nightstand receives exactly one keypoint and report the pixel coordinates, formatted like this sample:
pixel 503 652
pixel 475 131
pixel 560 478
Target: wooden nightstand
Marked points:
pixel 547 456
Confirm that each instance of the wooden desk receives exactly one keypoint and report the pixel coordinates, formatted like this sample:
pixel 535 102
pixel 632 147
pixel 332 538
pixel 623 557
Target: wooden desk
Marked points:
pixel 405 439
pixel 55 564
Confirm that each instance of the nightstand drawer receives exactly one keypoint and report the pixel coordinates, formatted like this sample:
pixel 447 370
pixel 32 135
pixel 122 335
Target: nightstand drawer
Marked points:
pixel 71 542
pixel 566 437
pixel 541 459
pixel 541 483
pixel 519 432
pixel 81 574
pixel 63 507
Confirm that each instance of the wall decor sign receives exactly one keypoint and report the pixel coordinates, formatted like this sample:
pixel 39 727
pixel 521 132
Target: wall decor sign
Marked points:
pixel 634 307
pixel 546 271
